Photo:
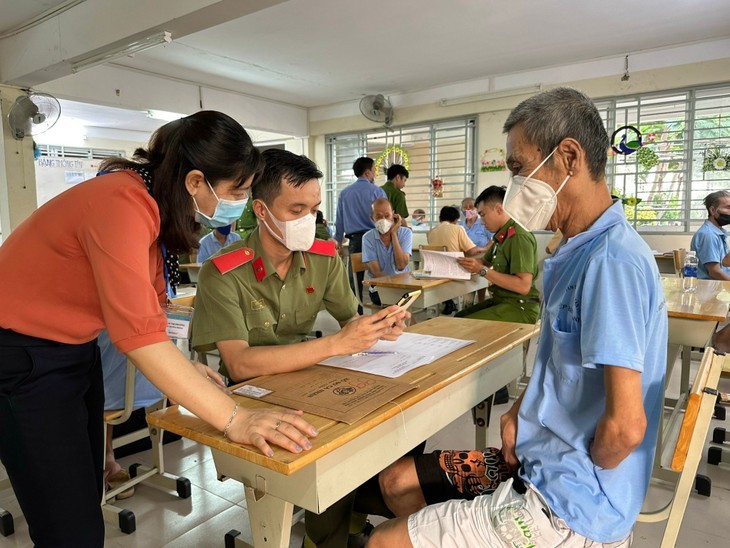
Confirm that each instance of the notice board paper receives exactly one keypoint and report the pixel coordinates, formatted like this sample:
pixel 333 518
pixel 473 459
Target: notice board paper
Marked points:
pixel 341 395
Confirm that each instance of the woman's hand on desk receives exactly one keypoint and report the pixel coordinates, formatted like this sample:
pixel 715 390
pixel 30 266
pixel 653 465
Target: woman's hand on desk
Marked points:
pixel 362 332
pixel 261 427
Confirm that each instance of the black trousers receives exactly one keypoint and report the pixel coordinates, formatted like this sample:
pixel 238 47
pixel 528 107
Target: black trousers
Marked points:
pixel 355 246
pixel 51 437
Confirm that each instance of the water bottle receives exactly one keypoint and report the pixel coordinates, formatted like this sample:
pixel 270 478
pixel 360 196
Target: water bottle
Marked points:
pixel 689 273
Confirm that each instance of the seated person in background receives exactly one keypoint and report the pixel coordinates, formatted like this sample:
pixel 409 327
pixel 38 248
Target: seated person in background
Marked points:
pixel 451 234
pixel 386 249
pixel 710 241
pixel 257 302
pixel 215 240
pixel 475 229
pixel 322 230
pixel 418 221
pixel 711 245
pixel 114 368
pixel 510 266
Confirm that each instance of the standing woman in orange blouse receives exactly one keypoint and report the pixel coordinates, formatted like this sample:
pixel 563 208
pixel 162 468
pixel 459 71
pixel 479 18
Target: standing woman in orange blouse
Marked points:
pixel 99 256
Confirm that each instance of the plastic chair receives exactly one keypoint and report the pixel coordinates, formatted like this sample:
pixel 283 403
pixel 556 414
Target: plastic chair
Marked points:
pixel 151 475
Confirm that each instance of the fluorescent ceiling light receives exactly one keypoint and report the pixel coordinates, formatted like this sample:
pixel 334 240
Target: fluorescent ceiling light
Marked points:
pixel 164 115
pixel 491 95
pixel 121 50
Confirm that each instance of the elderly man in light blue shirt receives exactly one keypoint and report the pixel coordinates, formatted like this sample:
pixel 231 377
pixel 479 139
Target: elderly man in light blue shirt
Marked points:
pixel 475 229
pixel 710 241
pixel 582 436
pixel 386 249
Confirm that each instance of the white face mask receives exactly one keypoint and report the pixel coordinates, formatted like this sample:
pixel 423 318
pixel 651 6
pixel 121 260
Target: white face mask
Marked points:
pixel 296 235
pixel 531 202
pixel 383 225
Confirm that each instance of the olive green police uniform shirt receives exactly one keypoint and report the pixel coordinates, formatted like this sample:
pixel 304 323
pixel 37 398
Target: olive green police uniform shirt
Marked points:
pixel 235 306
pixel 513 255
pixel 397 198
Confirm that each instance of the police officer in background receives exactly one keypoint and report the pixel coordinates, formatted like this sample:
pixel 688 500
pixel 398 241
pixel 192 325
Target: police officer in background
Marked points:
pixel 257 301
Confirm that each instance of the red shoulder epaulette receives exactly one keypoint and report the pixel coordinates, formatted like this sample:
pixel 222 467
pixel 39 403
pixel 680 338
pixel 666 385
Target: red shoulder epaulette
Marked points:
pixel 323 247
pixel 233 259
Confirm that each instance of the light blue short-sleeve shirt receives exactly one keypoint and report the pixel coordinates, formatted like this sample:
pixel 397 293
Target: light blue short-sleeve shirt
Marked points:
pixel 209 246
pixel 477 233
pixel 710 244
pixel 604 306
pixel 373 249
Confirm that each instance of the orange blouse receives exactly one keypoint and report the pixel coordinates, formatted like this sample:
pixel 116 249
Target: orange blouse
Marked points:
pixel 87 260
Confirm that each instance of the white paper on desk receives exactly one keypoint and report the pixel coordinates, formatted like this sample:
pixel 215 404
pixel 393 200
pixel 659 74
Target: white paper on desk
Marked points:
pixel 442 264
pixel 410 351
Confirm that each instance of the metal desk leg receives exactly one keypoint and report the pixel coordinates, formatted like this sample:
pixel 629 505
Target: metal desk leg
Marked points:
pixel 270 518
pixel 481 413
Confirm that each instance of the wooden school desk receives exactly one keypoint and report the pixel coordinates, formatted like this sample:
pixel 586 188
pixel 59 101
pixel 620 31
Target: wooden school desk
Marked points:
pixel 345 456
pixel 693 318
pixel 434 290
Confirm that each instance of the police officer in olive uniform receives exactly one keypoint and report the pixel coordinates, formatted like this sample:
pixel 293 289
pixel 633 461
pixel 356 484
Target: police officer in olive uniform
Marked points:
pixel 257 301
pixel 509 265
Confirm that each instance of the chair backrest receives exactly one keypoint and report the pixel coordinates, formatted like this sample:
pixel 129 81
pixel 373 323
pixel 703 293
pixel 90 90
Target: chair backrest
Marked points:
pixel 666 265
pixel 433 247
pixel 356 262
pixel 679 256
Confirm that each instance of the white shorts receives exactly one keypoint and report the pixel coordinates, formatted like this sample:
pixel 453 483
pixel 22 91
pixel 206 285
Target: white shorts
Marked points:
pixel 503 519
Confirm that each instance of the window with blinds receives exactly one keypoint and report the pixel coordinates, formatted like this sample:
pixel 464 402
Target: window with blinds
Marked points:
pixel 439 149
pixel 684 157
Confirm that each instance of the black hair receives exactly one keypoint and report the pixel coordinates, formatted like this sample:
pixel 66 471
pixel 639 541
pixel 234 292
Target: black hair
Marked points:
pixel 361 165
pixel 449 213
pixel 395 170
pixel 713 199
pixel 491 195
pixel 282 165
pixel 209 141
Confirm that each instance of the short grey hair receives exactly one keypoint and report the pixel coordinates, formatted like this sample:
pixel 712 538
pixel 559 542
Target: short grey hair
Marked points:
pixel 713 199
pixel 554 115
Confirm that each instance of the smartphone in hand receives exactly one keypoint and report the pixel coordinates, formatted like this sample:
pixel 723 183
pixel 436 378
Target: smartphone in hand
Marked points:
pixel 406 301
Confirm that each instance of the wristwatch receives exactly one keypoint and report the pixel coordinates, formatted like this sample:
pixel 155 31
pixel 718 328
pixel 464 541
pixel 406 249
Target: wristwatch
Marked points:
pixel 483 271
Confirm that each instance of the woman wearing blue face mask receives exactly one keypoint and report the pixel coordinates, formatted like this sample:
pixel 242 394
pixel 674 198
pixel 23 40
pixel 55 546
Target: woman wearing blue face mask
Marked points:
pixel 110 244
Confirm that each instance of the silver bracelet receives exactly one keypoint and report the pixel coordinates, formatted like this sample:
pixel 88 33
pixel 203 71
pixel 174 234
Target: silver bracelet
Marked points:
pixel 230 421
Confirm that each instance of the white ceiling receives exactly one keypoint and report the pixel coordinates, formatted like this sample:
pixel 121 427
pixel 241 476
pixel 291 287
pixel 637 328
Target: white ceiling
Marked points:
pixel 318 52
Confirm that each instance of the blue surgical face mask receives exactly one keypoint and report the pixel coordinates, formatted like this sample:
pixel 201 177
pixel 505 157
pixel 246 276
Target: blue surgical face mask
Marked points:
pixel 226 211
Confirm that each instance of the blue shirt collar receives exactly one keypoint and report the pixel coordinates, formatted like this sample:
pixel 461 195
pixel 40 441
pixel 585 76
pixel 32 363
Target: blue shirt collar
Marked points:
pixel 611 217
pixel 717 230
pixel 364 180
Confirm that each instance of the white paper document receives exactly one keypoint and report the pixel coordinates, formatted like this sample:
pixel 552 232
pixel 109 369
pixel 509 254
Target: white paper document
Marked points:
pixel 394 358
pixel 442 264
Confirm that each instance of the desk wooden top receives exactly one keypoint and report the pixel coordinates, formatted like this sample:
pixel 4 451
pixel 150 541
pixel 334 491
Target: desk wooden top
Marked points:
pixel 492 340
pixel 408 281
pixel 710 302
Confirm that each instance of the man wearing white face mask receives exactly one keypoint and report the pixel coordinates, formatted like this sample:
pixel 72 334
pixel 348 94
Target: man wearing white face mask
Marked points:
pixel 257 301
pixel 581 438
pixel 386 249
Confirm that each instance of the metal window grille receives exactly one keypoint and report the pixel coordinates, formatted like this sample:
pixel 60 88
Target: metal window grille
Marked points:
pixel 444 149
pixel 56 151
pixel 682 131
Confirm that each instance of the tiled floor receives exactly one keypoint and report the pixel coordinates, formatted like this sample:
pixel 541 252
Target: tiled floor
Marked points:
pixel 216 507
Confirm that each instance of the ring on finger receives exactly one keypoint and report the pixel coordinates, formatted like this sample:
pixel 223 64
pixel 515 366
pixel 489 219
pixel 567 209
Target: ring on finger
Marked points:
pixel 278 424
